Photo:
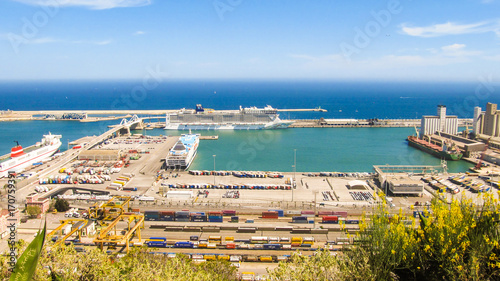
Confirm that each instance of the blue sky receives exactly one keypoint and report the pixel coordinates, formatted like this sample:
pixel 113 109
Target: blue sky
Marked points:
pixel 250 39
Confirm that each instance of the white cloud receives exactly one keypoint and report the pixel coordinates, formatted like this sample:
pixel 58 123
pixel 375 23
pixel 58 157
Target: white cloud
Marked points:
pixel 43 40
pixel 458 50
pixel 90 42
pixel 91 4
pixel 47 40
pixel 451 28
pixel 493 58
pixel 139 32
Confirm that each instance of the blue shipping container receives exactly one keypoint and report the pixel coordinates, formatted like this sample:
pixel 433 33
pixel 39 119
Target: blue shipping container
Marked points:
pixel 281 213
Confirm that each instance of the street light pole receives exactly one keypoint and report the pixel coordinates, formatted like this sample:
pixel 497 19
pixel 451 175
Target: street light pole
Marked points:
pixel 294 170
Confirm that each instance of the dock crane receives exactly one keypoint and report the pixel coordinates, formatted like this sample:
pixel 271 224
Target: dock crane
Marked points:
pixel 478 165
pixel 77 226
pixel 120 205
pixel 106 236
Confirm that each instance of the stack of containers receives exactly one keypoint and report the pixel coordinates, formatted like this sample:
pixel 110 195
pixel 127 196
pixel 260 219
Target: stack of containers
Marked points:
pixel 281 213
pixel 198 217
pixel 182 216
pixel 151 215
pixel 299 219
pixel 167 216
pixel 270 215
pixel 215 216
pixel 307 213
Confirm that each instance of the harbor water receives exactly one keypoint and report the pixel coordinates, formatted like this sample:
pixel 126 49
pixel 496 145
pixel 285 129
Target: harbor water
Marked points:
pixel 332 149
pixel 317 149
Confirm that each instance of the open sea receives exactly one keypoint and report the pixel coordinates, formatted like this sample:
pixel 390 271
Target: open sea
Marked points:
pixel 330 149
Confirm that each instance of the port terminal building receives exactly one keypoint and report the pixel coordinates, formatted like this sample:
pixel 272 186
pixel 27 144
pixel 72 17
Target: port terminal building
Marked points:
pixel 440 123
pixel 398 180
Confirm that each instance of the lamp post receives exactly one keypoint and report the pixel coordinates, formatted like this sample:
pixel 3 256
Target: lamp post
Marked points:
pixel 294 170
pixel 214 168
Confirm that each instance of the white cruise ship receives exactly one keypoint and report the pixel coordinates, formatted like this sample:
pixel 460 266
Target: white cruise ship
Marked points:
pixel 249 118
pixel 183 152
pixel 20 158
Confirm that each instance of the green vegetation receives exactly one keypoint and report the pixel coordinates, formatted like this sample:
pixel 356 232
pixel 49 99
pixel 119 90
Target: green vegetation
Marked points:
pixel 33 211
pixel 457 241
pixel 61 205
pixel 64 263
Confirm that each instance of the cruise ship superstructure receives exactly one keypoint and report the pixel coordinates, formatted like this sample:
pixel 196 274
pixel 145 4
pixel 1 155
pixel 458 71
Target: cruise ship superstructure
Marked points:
pixel 20 158
pixel 248 118
pixel 183 152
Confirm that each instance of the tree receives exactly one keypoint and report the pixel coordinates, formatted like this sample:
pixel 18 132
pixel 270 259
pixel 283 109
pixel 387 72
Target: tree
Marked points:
pixel 61 205
pixel 33 211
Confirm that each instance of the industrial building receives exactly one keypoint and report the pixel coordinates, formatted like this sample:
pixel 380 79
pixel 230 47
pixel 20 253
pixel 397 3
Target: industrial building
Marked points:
pixel 100 155
pixel 487 122
pixel 440 123
pixel 404 185
pixel 34 200
pixel 467 146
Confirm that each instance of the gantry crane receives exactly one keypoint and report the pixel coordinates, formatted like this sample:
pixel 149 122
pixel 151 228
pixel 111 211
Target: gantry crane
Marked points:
pixel 105 235
pixel 111 209
pixel 77 226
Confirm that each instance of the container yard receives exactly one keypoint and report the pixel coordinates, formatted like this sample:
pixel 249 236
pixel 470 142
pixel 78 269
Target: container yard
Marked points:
pixel 246 217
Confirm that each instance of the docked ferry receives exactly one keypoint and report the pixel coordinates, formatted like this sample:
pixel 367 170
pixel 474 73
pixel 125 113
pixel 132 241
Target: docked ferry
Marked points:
pixel 22 158
pixel 183 153
pixel 248 118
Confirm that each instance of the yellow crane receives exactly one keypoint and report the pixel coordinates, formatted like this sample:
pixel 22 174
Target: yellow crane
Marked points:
pixel 108 211
pixel 106 236
pixel 77 225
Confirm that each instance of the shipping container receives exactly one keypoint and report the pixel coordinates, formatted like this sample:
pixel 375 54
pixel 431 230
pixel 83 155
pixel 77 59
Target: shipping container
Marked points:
pixel 259 240
pixel 272 246
pixel 270 215
pixel 325 213
pixel 292 213
pixel 308 240
pixel 235 219
pixel 330 219
pixel 281 213
pixel 199 218
pixel 299 219
pixel 229 213
pixel 307 213
pixel 340 214
pixel 183 244
pixel 151 215
pixel 209 257
pixel 215 219
pixel 266 258
pixel 214 239
pixel 230 246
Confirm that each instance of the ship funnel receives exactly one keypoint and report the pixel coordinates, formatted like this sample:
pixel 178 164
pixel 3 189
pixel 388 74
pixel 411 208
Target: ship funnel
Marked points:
pixel 17 150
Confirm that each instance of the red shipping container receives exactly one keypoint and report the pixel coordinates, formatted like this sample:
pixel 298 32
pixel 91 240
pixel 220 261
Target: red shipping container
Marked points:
pixel 270 215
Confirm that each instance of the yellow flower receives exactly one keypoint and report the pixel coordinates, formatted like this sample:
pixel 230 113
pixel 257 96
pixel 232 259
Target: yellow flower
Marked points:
pixel 393 252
